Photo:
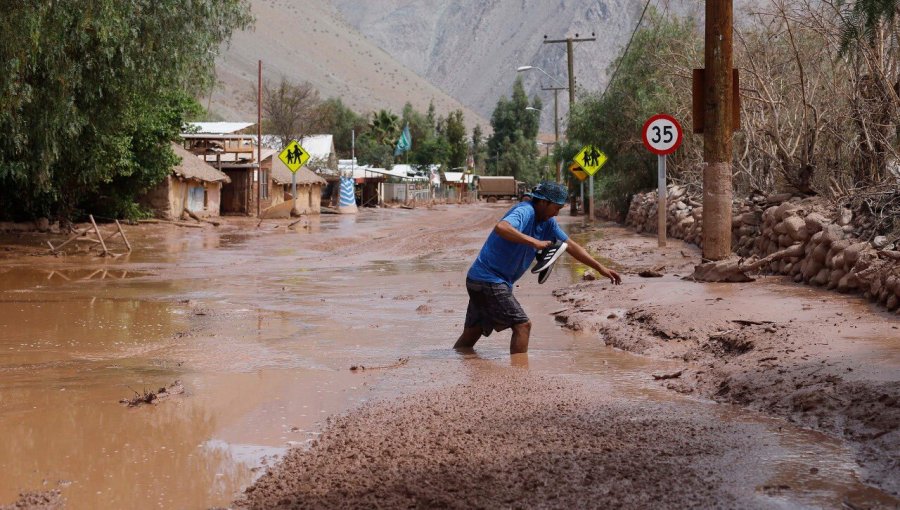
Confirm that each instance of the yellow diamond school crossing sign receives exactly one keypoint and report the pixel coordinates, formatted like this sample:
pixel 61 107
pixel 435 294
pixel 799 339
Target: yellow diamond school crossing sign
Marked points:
pixel 590 159
pixel 294 156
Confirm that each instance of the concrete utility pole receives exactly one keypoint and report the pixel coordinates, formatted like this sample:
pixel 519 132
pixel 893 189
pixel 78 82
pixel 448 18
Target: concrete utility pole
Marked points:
pixel 556 127
pixel 571 64
pixel 717 133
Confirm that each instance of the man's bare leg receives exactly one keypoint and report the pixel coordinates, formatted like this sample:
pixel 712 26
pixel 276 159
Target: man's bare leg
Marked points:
pixel 520 335
pixel 468 338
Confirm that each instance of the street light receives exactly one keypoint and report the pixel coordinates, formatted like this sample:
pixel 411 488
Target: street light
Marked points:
pixel 533 109
pixel 522 69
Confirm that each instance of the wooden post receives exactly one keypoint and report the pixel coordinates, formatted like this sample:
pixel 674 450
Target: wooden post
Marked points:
pixel 717 185
pixel 259 182
pixel 122 232
pixel 99 236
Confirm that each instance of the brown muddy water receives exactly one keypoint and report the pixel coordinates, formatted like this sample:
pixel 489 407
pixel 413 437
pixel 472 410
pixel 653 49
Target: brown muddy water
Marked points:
pixel 262 327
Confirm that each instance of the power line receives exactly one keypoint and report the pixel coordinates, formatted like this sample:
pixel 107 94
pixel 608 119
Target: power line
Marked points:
pixel 613 77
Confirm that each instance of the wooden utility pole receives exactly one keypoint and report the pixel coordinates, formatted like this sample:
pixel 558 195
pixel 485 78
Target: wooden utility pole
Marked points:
pixel 556 128
pixel 259 176
pixel 717 133
pixel 571 64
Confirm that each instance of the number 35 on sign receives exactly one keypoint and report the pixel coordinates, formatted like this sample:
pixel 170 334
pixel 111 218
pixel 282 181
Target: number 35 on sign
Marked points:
pixel 662 134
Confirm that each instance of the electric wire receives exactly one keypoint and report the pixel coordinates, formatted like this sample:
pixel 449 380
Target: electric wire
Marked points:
pixel 625 53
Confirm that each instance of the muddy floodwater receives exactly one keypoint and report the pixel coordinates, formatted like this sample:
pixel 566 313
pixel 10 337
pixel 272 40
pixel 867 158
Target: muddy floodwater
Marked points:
pixel 262 326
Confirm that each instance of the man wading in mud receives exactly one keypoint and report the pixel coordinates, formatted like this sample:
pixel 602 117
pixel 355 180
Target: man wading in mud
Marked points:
pixel 527 229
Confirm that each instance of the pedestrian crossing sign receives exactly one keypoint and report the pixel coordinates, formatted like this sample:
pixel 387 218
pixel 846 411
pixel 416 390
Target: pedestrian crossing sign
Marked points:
pixel 590 159
pixel 294 156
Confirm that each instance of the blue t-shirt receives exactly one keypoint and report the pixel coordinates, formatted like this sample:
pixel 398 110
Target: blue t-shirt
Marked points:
pixel 502 261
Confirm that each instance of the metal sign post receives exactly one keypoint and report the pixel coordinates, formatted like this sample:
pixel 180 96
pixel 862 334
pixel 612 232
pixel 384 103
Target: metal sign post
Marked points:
pixel 661 186
pixel 591 159
pixel 662 135
pixel 294 156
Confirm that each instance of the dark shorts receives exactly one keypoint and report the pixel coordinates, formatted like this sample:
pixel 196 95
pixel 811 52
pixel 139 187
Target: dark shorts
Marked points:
pixel 493 307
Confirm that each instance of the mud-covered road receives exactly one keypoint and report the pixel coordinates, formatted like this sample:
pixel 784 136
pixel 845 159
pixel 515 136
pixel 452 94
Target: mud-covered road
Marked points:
pixel 262 325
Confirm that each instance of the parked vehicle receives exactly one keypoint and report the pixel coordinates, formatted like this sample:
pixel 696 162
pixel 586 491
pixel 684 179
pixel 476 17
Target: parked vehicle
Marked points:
pixel 498 187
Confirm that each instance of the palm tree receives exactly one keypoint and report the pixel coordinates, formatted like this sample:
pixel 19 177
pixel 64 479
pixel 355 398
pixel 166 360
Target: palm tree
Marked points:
pixel 385 127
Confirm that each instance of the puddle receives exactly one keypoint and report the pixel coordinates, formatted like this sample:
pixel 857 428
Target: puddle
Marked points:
pixel 262 331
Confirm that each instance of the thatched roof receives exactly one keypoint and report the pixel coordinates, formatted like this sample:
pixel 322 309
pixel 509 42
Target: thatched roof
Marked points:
pixel 281 174
pixel 192 167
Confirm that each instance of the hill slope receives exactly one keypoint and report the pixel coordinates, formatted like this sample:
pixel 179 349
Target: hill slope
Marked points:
pixel 306 40
pixel 471 48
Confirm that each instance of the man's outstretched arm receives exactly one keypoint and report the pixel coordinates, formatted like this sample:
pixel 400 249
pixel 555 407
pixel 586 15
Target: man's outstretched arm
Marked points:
pixel 505 230
pixel 581 255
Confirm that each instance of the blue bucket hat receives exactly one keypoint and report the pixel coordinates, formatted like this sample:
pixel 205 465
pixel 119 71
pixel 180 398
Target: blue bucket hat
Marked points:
pixel 551 192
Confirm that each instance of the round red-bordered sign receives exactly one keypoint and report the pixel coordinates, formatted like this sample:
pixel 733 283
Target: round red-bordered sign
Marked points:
pixel 662 134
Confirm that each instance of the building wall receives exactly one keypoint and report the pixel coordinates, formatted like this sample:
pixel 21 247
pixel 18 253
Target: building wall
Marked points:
pixel 208 203
pixel 168 199
pixel 309 198
pixel 275 195
pixel 157 199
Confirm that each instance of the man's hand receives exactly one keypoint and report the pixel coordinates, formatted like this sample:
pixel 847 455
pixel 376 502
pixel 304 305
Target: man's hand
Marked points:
pixel 612 275
pixel 540 245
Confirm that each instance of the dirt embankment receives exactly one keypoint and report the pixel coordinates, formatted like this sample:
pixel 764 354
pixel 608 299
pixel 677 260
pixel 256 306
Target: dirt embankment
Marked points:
pixel 810 240
pixel 819 359
pixel 532 441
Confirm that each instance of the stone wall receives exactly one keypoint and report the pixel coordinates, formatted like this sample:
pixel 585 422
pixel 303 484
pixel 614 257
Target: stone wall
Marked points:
pixel 822 244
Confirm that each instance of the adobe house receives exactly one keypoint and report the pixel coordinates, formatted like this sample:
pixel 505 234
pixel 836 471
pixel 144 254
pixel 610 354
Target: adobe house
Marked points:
pixel 227 147
pixel 309 185
pixel 192 185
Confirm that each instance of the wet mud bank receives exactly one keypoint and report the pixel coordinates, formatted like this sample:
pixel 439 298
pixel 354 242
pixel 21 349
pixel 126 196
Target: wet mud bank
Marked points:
pixel 820 360
pixel 531 441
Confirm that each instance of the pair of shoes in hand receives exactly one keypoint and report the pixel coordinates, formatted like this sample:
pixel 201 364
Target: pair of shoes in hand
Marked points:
pixel 546 258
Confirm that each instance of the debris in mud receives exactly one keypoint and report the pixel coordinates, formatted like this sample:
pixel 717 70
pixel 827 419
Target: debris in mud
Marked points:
pixel 732 342
pixel 423 309
pixel 400 362
pixel 45 500
pixel 153 397
pixel 650 273
pixel 589 276
pixel 673 375
pixel 744 322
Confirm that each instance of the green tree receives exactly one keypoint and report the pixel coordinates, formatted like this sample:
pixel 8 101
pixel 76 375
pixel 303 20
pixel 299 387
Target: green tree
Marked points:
pixel 613 121
pixel 85 86
pixel 456 140
pixel 370 151
pixel 419 127
pixel 512 149
pixel 479 149
pixel 332 116
pixel 385 127
pixel 862 18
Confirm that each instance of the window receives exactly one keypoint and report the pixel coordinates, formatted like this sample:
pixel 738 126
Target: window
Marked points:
pixel 264 183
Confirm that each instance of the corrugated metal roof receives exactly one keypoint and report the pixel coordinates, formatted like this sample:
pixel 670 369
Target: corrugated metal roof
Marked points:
pixel 318 146
pixel 456 177
pixel 192 167
pixel 219 128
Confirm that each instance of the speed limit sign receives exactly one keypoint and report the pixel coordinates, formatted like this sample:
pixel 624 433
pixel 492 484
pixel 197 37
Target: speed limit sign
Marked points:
pixel 662 134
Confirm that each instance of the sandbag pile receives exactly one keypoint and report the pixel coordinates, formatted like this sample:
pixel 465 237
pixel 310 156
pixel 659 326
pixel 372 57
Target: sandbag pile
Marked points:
pixel 816 245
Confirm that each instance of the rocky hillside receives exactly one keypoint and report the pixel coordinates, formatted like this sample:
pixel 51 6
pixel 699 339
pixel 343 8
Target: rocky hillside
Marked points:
pixel 471 48
pixel 306 40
